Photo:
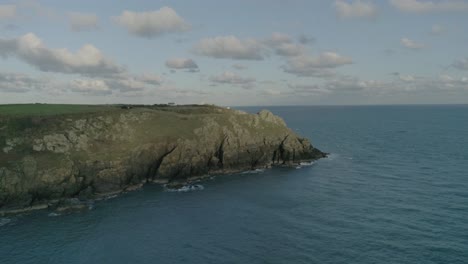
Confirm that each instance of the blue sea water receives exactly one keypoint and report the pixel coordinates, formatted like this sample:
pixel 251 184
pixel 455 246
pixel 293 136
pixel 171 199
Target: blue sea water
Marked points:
pixel 394 190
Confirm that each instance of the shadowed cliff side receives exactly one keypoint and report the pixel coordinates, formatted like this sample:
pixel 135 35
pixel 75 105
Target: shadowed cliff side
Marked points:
pixel 53 157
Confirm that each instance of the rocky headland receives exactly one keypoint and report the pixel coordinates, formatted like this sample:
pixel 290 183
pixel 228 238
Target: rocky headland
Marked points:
pixel 57 160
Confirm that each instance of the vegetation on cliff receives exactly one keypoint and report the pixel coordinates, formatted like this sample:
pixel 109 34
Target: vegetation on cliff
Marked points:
pixel 53 152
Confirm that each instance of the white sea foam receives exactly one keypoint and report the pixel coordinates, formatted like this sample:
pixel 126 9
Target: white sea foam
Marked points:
pixel 112 196
pixel 4 221
pixel 305 164
pixel 186 188
pixel 54 214
pixel 256 171
pixel 332 156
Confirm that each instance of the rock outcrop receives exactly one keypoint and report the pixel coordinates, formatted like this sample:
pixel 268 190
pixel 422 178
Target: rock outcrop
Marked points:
pixel 85 155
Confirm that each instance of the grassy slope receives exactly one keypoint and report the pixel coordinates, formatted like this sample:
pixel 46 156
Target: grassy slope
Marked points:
pixel 28 120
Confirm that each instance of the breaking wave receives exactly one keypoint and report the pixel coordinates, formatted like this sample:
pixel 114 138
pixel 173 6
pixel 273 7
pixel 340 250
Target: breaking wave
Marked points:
pixel 4 221
pixel 185 188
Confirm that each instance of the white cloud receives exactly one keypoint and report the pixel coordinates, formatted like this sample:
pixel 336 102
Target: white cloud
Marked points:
pixel 407 78
pixel 150 79
pixel 355 9
pixel 232 78
pixel 417 6
pixel 7 11
pixel 153 23
pixel 438 30
pixel 339 85
pixel 83 21
pixel 461 64
pixel 283 45
pixel 278 38
pixel 90 86
pixel 230 47
pixel 449 83
pixel 124 83
pixel 182 63
pixel 127 85
pixel 316 66
pixel 411 44
pixel 88 60
pixel 19 83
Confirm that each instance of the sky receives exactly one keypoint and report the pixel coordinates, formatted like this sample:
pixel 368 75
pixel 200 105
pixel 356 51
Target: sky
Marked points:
pixel 243 52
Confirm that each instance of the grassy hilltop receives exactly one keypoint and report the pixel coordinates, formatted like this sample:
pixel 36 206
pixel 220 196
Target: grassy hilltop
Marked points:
pixel 31 110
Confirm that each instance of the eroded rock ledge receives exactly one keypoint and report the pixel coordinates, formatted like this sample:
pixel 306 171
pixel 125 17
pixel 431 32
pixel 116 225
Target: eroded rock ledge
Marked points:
pixel 52 158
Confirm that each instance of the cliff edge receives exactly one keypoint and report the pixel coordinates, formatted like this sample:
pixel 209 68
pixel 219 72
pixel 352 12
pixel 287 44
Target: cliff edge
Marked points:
pixel 51 157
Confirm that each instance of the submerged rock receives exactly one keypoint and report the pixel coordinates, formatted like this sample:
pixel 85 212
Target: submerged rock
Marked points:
pixel 88 155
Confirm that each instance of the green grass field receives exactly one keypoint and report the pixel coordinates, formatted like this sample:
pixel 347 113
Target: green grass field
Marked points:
pixel 31 110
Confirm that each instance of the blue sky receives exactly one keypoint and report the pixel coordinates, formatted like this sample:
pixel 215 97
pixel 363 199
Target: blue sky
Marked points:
pixel 254 52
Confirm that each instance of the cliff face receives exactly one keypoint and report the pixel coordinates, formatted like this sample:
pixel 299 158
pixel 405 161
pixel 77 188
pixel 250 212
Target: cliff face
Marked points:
pixel 84 155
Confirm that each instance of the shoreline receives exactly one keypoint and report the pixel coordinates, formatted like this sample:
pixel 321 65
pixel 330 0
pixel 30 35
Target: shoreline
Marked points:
pixel 72 204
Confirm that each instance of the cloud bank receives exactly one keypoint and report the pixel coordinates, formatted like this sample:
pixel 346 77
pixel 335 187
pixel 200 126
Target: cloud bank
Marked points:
pixel 88 60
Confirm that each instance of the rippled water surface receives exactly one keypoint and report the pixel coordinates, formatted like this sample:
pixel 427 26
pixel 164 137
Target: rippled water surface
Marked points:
pixel 394 190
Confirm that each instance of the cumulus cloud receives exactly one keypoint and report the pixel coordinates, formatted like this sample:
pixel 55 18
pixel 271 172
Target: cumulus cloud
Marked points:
pixel 7 11
pixel 150 79
pixel 319 66
pixel 461 64
pixel 88 60
pixel 411 44
pixel 230 47
pixel 153 23
pixel 278 38
pixel 417 6
pixel 83 21
pixel 182 63
pixel 283 45
pixel 124 83
pixel 443 82
pixel 232 78
pixel 127 85
pixel 19 83
pixel 355 9
pixel 94 87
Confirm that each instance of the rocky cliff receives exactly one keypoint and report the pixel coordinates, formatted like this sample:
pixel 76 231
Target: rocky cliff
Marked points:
pixel 49 158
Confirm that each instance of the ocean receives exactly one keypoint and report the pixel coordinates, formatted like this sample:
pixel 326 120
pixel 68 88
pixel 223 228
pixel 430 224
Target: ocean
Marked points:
pixel 393 190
